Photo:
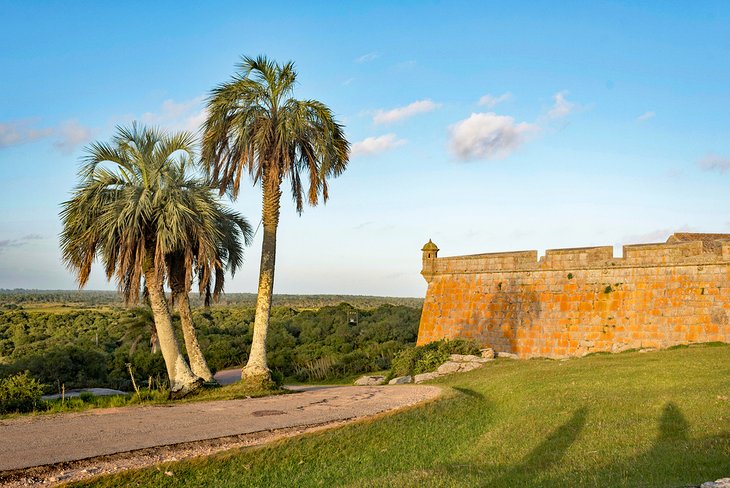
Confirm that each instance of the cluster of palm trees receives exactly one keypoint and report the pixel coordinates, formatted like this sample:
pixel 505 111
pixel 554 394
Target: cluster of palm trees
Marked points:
pixel 146 205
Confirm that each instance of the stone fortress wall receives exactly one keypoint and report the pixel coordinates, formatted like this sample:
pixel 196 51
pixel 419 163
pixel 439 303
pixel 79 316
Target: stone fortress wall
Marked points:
pixel 577 301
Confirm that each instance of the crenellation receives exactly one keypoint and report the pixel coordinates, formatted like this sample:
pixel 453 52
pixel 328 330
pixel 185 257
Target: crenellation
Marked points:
pixel 582 300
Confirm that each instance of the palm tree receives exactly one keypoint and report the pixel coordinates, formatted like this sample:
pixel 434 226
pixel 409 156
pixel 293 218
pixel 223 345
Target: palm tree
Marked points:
pixel 131 209
pixel 254 125
pixel 210 265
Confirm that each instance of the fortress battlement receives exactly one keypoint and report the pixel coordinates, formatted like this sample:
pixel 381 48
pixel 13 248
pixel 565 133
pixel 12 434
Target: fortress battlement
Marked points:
pixel 579 300
pixel 675 252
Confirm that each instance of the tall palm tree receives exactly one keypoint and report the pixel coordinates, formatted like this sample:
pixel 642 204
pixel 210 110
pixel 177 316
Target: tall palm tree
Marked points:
pixel 210 266
pixel 131 208
pixel 254 125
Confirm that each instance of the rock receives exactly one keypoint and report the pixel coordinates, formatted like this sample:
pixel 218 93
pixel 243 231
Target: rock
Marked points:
pixel 721 483
pixel 487 353
pixel 468 358
pixel 470 366
pixel 401 380
pixel 370 380
pixel 449 367
pixel 419 378
pixel 507 355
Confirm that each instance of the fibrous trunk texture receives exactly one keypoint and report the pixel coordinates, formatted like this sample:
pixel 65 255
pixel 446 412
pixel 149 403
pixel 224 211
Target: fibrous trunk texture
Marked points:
pixel 182 380
pixel 197 361
pixel 256 371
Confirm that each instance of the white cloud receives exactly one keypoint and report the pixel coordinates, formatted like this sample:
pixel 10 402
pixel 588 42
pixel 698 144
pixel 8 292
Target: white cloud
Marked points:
pixel 561 106
pixel 490 101
pixel 714 162
pixel 488 136
pixel 367 57
pixel 658 235
pixel 70 134
pixel 188 115
pixel 400 113
pixel 16 132
pixel 375 145
pixel 646 116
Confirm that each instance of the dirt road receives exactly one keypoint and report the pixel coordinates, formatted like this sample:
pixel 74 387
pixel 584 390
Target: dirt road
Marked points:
pixel 52 439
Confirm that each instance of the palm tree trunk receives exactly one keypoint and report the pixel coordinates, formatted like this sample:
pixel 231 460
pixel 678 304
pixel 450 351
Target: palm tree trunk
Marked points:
pixel 182 380
pixel 256 371
pixel 197 361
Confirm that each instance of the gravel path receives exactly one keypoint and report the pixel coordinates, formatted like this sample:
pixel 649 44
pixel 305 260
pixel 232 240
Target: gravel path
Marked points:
pixel 64 440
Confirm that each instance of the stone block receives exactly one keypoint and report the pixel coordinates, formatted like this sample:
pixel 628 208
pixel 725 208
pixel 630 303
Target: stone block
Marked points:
pixel 420 378
pixel 401 380
pixel 370 380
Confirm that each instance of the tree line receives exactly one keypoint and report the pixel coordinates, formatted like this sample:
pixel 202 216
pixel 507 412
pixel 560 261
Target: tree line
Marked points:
pixel 99 348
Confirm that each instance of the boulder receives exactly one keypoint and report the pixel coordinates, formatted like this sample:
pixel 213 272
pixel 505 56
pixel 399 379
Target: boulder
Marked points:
pixel 487 353
pixel 449 367
pixel 466 358
pixel 370 380
pixel 507 355
pixel 470 366
pixel 401 380
pixel 419 378
pixel 721 483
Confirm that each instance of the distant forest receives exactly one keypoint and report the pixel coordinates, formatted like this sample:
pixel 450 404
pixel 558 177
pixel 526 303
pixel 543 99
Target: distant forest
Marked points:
pixel 91 298
pixel 88 338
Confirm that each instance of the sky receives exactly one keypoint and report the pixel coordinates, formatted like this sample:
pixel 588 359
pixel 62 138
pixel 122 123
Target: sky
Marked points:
pixel 485 126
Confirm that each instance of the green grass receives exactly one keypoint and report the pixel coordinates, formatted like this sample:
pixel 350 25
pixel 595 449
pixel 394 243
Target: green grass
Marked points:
pixel 146 397
pixel 660 419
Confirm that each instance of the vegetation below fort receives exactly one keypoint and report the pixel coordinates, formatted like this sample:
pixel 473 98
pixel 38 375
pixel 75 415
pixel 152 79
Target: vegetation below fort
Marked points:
pixel 631 419
pixel 95 342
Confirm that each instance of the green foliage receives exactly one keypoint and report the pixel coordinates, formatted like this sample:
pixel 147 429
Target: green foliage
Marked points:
pixel 422 359
pixel 82 348
pixel 19 393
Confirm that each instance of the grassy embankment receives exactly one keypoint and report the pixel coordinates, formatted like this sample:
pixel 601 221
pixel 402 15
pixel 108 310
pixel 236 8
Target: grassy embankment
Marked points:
pixel 658 419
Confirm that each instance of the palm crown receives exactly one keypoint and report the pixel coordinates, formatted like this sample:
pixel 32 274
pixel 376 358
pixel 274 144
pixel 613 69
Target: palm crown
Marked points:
pixel 135 204
pixel 254 125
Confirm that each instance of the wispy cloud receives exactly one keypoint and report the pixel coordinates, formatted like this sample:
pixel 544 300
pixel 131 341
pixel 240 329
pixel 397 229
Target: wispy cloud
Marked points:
pixel 491 101
pixel 714 162
pixel 67 136
pixel 70 135
pixel 561 106
pixel 489 136
pixel 186 115
pixel 21 241
pixel 365 58
pixel 646 116
pixel 375 145
pixel 16 132
pixel 400 113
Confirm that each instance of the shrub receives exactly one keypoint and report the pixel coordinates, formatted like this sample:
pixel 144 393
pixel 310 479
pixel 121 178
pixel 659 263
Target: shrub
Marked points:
pixel 421 359
pixel 19 393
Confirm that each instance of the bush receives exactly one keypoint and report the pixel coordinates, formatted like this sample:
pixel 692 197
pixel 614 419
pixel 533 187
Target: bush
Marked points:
pixel 19 393
pixel 421 359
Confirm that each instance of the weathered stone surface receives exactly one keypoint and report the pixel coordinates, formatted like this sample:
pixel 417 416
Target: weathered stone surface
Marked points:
pixel 470 366
pixel 370 380
pixel 574 302
pixel 507 355
pixel 449 367
pixel 419 378
pixel 401 380
pixel 465 358
pixel 721 483
pixel 487 353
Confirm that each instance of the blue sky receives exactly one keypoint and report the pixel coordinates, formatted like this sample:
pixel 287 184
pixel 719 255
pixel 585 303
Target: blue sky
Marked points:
pixel 486 126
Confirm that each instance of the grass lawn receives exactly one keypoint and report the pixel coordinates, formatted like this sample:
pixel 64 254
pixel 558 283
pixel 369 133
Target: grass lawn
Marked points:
pixel 659 419
pixel 146 397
